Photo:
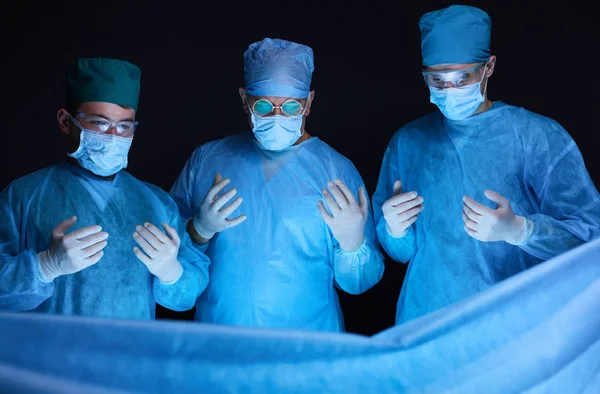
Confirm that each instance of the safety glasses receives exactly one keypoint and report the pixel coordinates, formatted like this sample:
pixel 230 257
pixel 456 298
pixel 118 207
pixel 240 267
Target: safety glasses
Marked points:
pixel 124 128
pixel 456 78
pixel 264 107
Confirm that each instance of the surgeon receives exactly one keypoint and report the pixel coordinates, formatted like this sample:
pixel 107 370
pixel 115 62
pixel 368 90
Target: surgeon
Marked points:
pixel 283 217
pixel 479 190
pixel 84 237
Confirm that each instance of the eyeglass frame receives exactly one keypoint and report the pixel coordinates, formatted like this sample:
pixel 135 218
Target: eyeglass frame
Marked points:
pixel 277 106
pixel 425 73
pixel 111 124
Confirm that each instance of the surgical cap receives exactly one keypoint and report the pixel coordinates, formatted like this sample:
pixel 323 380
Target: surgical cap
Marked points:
pixel 106 80
pixel 274 67
pixel 455 35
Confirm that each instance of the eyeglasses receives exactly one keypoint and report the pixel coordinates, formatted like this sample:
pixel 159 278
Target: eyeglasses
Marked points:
pixel 123 128
pixel 457 78
pixel 264 107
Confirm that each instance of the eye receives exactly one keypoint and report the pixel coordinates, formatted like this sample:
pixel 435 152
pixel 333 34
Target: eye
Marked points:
pixel 262 107
pixel 292 108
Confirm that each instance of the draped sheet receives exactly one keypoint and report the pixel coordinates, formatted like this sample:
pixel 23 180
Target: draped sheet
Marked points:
pixel 537 332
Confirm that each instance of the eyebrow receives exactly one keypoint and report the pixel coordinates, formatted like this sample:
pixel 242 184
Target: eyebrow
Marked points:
pixel 120 120
pixel 286 98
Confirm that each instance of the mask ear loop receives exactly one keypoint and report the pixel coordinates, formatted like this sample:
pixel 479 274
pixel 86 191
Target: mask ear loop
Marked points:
pixel 302 115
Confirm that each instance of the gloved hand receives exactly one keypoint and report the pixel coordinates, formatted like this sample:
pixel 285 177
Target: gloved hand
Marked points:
pixel 401 211
pixel 70 253
pixel 212 219
pixel 160 251
pixel 348 218
pixel 500 224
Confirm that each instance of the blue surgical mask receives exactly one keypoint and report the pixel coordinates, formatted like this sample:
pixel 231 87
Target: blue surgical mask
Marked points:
pixel 277 132
pixel 102 154
pixel 458 103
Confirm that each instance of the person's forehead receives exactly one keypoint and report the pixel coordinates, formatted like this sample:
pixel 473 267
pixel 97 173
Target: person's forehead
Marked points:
pixel 452 67
pixel 106 110
pixel 277 100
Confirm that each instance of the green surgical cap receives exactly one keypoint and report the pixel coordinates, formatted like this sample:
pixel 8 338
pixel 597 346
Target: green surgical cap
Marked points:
pixel 105 80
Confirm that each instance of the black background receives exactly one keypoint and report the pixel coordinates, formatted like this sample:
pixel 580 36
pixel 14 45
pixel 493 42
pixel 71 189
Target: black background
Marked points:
pixel 367 82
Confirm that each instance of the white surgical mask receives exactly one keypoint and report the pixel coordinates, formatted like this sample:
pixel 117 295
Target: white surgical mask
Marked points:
pixel 277 132
pixel 458 103
pixel 102 154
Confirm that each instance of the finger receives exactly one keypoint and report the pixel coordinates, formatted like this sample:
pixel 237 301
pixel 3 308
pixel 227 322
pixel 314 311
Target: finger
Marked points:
pixel 224 199
pixel 346 192
pixel 397 188
pixel 145 245
pixel 149 237
pixel 228 210
pixel 216 189
pixel 94 258
pixel 471 214
pixel 218 178
pixel 92 250
pixel 92 240
pixel 404 216
pixel 141 256
pixel 401 198
pixel 363 201
pixel 331 203
pixel 472 233
pixel 324 214
pixel 235 221
pixel 409 222
pixel 85 232
pixel 406 206
pixel 335 191
pixel 468 222
pixel 172 233
pixel 66 224
pixel 475 206
pixel 156 232
pixel 497 198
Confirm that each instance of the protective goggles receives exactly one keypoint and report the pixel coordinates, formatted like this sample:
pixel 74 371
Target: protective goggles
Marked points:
pixel 454 78
pixel 124 128
pixel 264 107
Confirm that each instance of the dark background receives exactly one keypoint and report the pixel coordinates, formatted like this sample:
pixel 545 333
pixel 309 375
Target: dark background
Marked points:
pixel 367 82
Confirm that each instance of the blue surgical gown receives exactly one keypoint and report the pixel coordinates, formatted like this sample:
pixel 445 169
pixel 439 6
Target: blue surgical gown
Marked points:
pixel 528 158
pixel 278 268
pixel 119 285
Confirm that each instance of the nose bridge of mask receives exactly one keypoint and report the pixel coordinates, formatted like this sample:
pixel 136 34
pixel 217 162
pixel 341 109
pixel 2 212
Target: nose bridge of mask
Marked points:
pixel 110 139
pixel 268 123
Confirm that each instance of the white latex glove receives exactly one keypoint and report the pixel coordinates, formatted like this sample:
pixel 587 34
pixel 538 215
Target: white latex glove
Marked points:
pixel 212 219
pixel 70 253
pixel 159 251
pixel 500 224
pixel 348 217
pixel 401 211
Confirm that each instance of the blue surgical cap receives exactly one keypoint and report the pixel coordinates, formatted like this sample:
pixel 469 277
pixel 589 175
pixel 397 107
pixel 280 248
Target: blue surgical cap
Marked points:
pixel 455 35
pixel 274 67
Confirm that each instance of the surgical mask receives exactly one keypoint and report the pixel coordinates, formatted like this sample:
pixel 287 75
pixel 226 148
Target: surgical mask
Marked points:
pixel 277 132
pixel 102 154
pixel 458 103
